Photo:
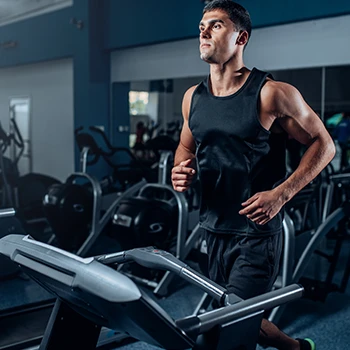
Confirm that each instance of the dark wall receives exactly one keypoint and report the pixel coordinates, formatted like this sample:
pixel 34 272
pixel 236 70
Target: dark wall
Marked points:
pixel 273 12
pixel 40 38
pixel 142 22
pixel 139 22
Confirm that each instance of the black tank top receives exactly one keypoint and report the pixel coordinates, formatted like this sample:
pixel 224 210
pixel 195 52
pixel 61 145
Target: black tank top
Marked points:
pixel 236 156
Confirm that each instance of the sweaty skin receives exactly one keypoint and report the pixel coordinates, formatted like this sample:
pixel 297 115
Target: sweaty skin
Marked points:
pixel 281 106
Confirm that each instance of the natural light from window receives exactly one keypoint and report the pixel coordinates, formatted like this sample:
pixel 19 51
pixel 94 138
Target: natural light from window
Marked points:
pixel 138 101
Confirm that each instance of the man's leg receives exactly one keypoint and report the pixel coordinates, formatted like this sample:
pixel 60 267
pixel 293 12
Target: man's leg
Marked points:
pixel 250 265
pixel 253 273
pixel 271 335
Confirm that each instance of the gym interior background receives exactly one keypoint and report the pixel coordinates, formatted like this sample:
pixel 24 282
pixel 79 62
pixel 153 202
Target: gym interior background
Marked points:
pixel 66 64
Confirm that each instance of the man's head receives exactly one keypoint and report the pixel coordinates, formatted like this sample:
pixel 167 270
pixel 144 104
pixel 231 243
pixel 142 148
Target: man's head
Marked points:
pixel 221 18
pixel 237 14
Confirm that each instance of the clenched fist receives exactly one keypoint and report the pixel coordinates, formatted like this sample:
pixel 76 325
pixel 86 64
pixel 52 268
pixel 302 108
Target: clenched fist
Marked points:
pixel 182 175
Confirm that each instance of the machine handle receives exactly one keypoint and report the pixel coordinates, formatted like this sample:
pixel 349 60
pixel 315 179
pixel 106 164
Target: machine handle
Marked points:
pixel 159 259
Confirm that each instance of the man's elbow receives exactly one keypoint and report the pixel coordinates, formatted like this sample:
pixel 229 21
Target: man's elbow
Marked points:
pixel 325 147
pixel 330 150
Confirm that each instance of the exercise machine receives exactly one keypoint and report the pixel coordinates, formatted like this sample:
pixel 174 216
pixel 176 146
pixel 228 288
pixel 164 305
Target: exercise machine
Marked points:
pixel 22 299
pixel 8 225
pixel 92 295
pixel 157 216
pixel 83 204
pixel 23 192
pixel 78 213
pixel 161 217
pixel 126 169
pixel 26 307
pixel 297 256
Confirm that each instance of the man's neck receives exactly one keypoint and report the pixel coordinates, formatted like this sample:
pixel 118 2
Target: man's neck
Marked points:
pixel 226 79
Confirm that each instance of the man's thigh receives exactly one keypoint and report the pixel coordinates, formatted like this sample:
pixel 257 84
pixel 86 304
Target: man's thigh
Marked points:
pixel 256 267
pixel 245 265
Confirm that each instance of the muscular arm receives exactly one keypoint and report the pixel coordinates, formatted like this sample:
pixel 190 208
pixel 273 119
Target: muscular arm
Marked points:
pixel 283 104
pixel 296 117
pixel 183 171
pixel 186 148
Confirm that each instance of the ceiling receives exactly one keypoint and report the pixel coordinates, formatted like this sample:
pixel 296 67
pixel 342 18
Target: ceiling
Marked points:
pixel 16 10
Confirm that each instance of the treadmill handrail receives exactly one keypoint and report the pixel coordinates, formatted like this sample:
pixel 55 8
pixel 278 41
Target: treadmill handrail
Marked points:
pixel 248 307
pixel 163 260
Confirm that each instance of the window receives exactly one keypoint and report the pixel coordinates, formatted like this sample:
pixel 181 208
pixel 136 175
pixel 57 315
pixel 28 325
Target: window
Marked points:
pixel 138 101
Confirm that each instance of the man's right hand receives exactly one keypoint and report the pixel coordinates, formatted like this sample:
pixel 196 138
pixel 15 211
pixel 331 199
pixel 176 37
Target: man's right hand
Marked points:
pixel 182 175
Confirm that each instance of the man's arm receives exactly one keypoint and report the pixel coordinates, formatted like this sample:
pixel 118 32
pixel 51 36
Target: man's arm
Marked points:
pixel 297 118
pixel 183 171
pixel 283 103
pixel 186 148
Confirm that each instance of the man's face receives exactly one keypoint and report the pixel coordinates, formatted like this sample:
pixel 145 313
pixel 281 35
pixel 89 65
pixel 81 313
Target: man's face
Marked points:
pixel 217 37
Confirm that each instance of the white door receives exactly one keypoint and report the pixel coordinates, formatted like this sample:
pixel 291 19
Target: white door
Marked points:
pixel 20 118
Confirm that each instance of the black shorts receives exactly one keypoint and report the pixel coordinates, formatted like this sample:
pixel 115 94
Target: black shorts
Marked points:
pixel 244 265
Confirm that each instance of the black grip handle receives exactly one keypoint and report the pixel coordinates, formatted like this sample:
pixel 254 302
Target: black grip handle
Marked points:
pixel 155 259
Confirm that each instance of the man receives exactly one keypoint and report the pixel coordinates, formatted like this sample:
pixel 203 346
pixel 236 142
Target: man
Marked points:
pixel 233 135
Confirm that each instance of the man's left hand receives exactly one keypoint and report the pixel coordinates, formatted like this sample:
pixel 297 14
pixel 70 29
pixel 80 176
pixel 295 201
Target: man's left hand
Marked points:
pixel 263 206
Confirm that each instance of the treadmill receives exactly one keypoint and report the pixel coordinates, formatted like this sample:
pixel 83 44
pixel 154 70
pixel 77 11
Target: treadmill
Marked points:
pixel 91 294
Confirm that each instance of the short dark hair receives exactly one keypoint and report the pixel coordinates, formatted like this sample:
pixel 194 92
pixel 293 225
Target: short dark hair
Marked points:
pixel 237 13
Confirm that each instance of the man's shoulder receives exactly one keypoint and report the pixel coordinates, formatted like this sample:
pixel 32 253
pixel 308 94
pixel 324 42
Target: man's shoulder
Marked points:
pixel 187 98
pixel 189 93
pixel 277 89
pixel 275 85
pixel 186 101
pixel 279 99
pixel 191 90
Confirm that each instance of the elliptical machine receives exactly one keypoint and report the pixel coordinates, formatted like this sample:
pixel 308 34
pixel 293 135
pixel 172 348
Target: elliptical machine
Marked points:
pixel 83 204
pixel 22 192
pixel 21 197
pixel 126 168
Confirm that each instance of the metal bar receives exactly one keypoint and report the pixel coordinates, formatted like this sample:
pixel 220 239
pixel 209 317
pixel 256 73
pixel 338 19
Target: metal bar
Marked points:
pixel 168 277
pixel 164 161
pixel 183 215
pixel 288 252
pixel 214 290
pixel 83 159
pixel 5 213
pixel 320 233
pixel 97 223
pixel 339 177
pixel 248 307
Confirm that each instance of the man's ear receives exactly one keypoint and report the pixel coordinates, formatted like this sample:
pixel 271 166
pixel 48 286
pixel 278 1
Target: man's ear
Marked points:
pixel 242 38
